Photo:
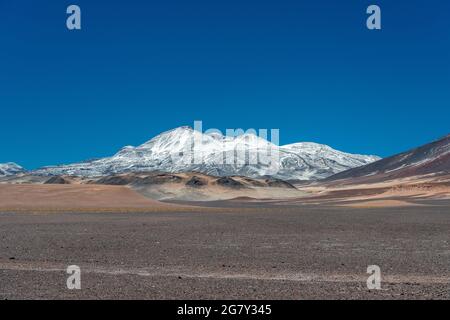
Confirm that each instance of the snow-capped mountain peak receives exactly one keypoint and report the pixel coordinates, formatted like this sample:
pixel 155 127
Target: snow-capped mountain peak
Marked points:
pixel 184 149
pixel 313 148
pixel 10 168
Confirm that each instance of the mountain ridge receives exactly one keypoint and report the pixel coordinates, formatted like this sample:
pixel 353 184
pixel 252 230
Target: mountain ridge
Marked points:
pixel 10 169
pixel 431 158
pixel 173 151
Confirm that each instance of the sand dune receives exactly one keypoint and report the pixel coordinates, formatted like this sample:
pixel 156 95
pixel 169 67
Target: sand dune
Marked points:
pixel 193 186
pixel 392 193
pixel 145 191
pixel 68 197
pixel 378 204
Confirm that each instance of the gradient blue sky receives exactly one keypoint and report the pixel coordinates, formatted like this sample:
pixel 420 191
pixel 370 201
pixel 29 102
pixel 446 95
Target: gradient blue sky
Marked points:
pixel 137 68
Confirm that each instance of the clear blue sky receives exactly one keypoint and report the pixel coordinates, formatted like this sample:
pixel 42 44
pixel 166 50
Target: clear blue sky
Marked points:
pixel 137 68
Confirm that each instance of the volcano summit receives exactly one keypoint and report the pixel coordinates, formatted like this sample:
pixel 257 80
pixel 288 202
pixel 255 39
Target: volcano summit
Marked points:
pixel 173 151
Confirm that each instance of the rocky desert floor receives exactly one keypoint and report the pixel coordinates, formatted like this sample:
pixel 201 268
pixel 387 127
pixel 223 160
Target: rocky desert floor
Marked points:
pixel 245 250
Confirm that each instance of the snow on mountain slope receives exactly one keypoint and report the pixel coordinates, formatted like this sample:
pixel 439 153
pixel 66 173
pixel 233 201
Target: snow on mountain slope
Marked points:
pixel 184 149
pixel 312 161
pixel 10 168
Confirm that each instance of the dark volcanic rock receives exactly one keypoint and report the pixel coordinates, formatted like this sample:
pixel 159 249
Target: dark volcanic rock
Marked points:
pixel 196 182
pixel 229 182
pixel 432 158
pixel 279 183
pixel 115 180
pixel 138 180
pixel 160 179
pixel 57 180
pixel 253 182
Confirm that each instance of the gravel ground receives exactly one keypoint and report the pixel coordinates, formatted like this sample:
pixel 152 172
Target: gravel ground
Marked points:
pixel 308 252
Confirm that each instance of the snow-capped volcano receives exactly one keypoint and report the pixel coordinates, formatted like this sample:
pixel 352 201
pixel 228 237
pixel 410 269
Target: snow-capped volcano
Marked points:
pixel 184 149
pixel 10 169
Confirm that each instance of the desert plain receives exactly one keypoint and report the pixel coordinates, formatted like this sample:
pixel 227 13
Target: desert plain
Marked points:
pixel 314 246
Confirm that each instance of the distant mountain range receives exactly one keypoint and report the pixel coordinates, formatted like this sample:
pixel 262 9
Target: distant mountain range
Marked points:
pixel 304 161
pixel 10 169
pixel 298 161
pixel 432 158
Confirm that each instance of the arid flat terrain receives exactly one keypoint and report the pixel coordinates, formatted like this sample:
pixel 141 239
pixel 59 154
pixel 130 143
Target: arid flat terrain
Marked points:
pixel 314 245
pixel 78 197
pixel 292 252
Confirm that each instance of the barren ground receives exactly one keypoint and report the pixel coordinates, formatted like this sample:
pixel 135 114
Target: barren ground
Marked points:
pixel 301 252
pixel 38 197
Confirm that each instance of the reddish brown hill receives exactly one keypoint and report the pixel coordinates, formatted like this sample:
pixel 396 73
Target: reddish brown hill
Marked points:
pixel 432 158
